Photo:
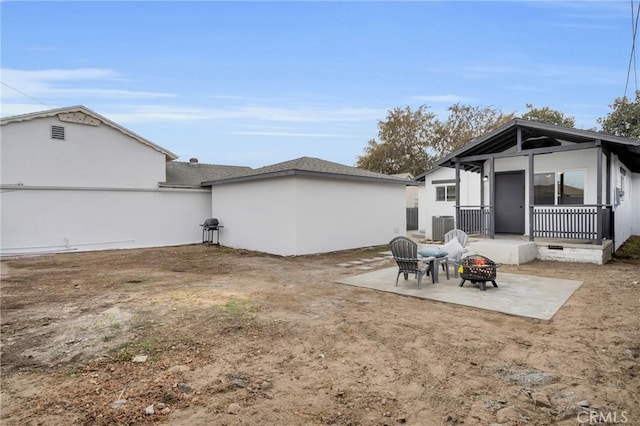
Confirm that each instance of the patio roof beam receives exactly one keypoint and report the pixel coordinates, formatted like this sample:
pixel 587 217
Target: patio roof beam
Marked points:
pixel 535 151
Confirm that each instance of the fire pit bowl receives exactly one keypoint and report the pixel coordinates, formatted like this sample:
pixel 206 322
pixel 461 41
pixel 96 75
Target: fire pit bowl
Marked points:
pixel 478 269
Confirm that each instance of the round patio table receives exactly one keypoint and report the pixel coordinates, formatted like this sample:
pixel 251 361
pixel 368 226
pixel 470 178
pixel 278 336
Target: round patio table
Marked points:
pixel 438 256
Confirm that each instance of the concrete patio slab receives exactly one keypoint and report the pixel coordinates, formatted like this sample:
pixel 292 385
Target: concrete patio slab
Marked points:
pixel 522 295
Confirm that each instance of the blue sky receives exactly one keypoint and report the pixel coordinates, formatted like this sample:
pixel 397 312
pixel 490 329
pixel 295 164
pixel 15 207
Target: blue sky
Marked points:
pixel 256 83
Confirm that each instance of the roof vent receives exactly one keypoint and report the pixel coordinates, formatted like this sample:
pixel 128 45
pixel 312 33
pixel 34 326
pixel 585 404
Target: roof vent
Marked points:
pixel 57 132
pixel 193 160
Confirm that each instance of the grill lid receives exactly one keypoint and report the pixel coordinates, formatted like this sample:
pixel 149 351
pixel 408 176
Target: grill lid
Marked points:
pixel 210 223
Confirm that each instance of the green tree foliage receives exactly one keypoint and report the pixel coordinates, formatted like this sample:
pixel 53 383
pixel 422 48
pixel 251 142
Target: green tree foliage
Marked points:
pixel 624 120
pixel 412 140
pixel 465 123
pixel 548 115
pixel 404 138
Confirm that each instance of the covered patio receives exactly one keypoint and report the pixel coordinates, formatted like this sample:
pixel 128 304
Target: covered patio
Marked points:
pixel 556 186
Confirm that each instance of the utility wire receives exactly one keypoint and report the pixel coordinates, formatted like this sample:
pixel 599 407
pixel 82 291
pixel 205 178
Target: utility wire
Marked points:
pixel 634 28
pixel 25 94
pixel 632 57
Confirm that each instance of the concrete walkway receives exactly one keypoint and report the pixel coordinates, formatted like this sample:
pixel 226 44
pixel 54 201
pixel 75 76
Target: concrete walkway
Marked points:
pixel 522 295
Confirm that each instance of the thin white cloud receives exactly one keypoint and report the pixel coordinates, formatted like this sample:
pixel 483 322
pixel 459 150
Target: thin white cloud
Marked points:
pixel 585 15
pixel 484 71
pixel 55 83
pixel 42 49
pixel 56 74
pixel 451 98
pixel 297 114
pixel 11 109
pixel 586 9
pixel 289 134
pixel 523 87
pixel 537 72
pixel 588 26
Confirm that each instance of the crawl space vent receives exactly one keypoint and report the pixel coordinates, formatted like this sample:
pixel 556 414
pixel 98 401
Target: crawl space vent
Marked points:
pixel 57 132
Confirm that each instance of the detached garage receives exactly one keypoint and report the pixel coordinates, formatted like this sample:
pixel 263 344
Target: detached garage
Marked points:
pixel 307 206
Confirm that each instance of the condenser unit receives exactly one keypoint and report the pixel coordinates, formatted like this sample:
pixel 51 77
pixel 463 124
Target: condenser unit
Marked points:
pixel 440 226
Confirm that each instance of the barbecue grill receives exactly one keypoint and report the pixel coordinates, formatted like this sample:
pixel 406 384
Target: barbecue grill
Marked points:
pixel 478 269
pixel 209 227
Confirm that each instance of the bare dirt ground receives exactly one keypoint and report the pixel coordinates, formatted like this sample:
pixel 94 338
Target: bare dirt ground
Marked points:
pixel 239 338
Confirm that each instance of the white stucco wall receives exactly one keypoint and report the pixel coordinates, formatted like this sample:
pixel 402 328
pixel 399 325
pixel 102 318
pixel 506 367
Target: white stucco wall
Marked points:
pixel 297 215
pixel 573 160
pixel 627 212
pixel 429 207
pixel 258 215
pixel 40 221
pixel 635 191
pixel 338 215
pixel 413 196
pixel 89 157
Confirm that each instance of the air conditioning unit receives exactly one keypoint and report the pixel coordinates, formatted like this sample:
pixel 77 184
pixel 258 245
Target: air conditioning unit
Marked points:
pixel 440 225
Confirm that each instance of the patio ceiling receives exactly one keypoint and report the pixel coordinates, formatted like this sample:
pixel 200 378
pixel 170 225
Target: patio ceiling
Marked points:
pixel 505 137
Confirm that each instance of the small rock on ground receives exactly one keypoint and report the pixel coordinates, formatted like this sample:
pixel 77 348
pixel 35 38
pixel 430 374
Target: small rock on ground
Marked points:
pixel 233 408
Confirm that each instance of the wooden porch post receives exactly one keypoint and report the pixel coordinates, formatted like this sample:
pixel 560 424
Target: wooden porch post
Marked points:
pixel 599 192
pixel 492 198
pixel 531 196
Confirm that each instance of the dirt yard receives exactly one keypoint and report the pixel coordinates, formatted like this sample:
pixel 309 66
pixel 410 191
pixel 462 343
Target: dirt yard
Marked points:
pixel 203 335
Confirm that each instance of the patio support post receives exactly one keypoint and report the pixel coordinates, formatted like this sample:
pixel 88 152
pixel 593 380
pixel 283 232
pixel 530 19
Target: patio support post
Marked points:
pixel 518 139
pixel 531 196
pixel 607 181
pixel 492 198
pixel 457 193
pixel 481 187
pixel 599 192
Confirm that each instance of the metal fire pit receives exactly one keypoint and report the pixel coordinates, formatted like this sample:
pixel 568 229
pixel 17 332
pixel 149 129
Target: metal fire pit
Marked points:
pixel 478 269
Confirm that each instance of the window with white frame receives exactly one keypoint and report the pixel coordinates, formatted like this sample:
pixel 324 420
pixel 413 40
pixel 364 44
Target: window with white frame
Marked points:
pixel 446 193
pixel 559 188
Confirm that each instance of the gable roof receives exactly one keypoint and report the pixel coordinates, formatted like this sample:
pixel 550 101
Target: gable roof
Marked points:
pixel 504 137
pixel 423 176
pixel 313 167
pixel 182 174
pixel 81 108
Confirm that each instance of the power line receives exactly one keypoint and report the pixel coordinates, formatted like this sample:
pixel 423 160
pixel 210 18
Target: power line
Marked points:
pixel 25 94
pixel 632 57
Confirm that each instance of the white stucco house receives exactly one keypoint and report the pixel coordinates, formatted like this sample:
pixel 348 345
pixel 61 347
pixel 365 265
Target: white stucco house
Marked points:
pixel 72 180
pixel 308 205
pixel 543 182
pixel 438 197
pixel 412 190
